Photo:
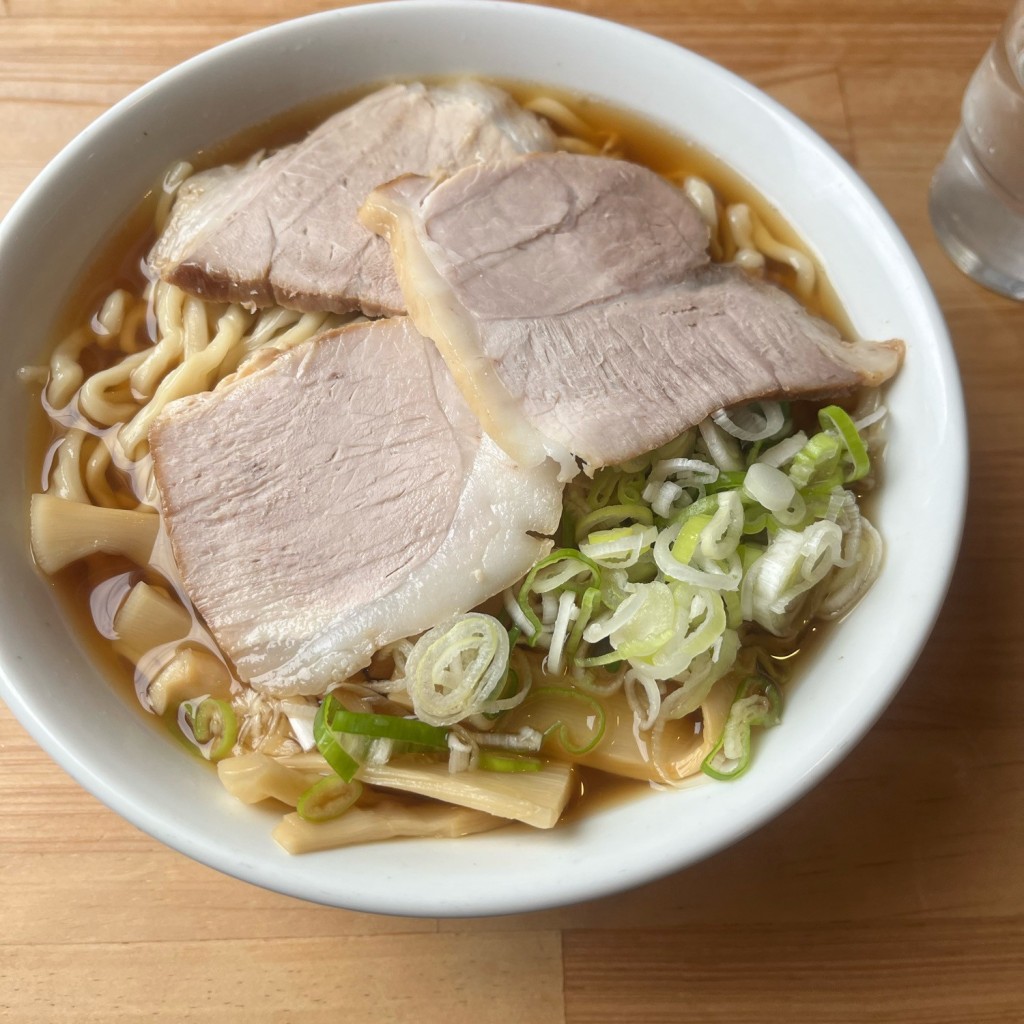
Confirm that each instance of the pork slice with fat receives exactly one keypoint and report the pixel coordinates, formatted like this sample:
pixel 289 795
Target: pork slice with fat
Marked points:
pixel 282 229
pixel 573 299
pixel 338 499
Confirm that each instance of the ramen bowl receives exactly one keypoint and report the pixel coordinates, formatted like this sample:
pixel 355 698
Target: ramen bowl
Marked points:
pixel 94 732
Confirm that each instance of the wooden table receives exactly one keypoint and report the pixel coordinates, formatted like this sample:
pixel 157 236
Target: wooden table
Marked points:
pixel 894 892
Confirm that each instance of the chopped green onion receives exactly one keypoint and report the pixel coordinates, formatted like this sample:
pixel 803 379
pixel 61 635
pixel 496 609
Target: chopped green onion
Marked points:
pixel 699 621
pixel 758 702
pixel 511 684
pixel 619 548
pixel 391 727
pixel 612 515
pixel 630 488
pixel 590 597
pixel 837 420
pixel 768 486
pixel 561 713
pixel 775 586
pixel 731 600
pixel 818 460
pixel 650 626
pixel 328 799
pixel 722 535
pixel 214 726
pixel 610 660
pixel 706 506
pixel 722 447
pixel 726 482
pixel 756 519
pixel 781 453
pixel 743 521
pixel 602 487
pixel 685 544
pixel 458 669
pixel 705 572
pixel 756 421
pixel 330 743
pixel 565 577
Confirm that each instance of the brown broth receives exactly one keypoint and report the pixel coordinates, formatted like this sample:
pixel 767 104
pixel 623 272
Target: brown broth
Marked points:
pixel 120 263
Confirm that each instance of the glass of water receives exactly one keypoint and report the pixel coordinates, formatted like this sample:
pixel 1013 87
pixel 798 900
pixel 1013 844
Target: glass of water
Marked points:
pixel 977 194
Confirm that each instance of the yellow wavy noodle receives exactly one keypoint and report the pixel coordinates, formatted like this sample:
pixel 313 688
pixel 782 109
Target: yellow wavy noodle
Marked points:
pixel 133 326
pixel 279 334
pixel 749 243
pixel 66 373
pixel 111 317
pixel 97 479
pixel 167 306
pixel 193 375
pixel 702 195
pixel 196 327
pixel 739 233
pixel 80 472
pixel 773 249
pixel 570 144
pixel 106 398
pixel 576 135
pixel 66 479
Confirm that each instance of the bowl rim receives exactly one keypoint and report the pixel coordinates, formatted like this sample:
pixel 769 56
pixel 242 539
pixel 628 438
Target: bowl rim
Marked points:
pixel 585 885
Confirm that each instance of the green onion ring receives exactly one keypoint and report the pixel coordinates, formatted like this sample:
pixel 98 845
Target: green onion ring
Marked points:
pixel 329 743
pixel 214 724
pixel 408 730
pixel 328 799
pixel 837 420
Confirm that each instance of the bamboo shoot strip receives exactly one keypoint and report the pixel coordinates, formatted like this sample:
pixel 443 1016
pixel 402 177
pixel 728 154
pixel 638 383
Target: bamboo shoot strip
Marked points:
pixel 382 821
pixel 64 531
pixel 148 618
pixel 536 798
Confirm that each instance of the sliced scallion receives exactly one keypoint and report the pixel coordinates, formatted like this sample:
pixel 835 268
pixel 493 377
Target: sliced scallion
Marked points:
pixel 562 568
pixel 406 730
pixel 685 544
pixel 837 420
pixel 576 720
pixel 328 799
pixel 758 703
pixel 215 727
pixel 459 668
pixel 591 596
pixel 816 461
pixel 331 743
pixel 610 516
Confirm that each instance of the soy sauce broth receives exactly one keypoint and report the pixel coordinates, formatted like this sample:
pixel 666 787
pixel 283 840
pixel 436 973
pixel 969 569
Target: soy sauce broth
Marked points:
pixel 86 589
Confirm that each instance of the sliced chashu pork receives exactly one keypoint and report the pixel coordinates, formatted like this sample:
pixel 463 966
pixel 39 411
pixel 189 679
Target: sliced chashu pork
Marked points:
pixel 574 301
pixel 338 499
pixel 282 229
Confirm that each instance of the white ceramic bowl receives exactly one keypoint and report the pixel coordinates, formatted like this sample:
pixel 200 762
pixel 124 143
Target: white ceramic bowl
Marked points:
pixel 48 237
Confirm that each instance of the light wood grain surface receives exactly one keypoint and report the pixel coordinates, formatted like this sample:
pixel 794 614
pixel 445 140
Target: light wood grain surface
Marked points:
pixel 894 892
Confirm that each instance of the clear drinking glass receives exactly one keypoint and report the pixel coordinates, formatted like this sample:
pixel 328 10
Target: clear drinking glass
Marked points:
pixel 977 194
